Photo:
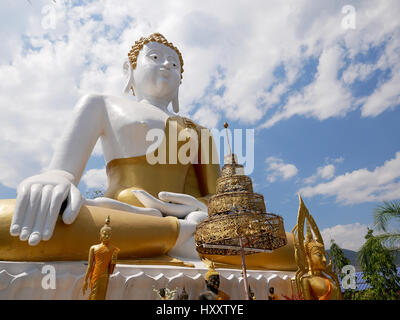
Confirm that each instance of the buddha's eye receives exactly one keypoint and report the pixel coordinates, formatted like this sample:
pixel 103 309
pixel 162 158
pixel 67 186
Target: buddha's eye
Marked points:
pixel 154 56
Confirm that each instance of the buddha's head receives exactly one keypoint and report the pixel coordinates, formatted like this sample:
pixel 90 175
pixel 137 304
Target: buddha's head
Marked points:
pixel 315 252
pixel 105 232
pixel 154 70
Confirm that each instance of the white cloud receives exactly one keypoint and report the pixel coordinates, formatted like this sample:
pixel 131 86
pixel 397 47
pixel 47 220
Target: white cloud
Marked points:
pixel 348 236
pixel 326 172
pixel 95 179
pixel 324 98
pixel 384 97
pixel 362 185
pixel 277 169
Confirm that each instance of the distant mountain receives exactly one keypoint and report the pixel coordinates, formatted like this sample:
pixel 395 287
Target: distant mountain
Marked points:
pixel 352 256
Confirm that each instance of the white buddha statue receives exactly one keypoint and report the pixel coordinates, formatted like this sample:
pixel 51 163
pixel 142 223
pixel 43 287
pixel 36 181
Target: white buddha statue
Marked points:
pixel 154 207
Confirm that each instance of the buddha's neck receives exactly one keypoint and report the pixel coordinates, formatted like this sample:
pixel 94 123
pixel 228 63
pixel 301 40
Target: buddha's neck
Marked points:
pixel 162 104
pixel 317 272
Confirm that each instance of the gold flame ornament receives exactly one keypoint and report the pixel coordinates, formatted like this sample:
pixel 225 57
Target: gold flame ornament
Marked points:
pixel 315 279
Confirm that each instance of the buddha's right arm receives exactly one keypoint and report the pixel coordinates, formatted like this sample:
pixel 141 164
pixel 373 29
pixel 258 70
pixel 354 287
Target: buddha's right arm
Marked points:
pixel 75 147
pixel 40 197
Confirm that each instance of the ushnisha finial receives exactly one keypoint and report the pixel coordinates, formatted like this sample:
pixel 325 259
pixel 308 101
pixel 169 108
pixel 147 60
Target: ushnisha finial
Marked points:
pixel 227 139
pixel 106 225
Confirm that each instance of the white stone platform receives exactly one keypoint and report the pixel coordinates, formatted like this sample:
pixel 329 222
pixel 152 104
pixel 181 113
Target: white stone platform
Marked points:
pixel 23 280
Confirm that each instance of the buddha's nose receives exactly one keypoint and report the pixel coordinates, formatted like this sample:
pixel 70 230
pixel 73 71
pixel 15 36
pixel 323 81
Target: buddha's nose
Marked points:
pixel 167 64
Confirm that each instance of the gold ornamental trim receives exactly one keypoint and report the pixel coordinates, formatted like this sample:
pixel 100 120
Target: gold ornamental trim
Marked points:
pixel 259 232
pixel 236 201
pixel 234 184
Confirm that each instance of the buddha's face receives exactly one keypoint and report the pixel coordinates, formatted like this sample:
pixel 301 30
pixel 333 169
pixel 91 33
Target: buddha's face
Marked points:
pixel 105 235
pixel 317 258
pixel 158 72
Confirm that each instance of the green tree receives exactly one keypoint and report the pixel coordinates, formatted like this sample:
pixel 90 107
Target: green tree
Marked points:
pixel 379 270
pixel 338 258
pixel 383 214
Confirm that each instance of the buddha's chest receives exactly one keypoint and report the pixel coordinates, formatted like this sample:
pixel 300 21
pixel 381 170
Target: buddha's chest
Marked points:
pixel 127 118
pixel 131 128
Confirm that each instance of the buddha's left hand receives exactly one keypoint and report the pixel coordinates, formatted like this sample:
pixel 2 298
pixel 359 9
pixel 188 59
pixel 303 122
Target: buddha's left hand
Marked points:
pixel 173 204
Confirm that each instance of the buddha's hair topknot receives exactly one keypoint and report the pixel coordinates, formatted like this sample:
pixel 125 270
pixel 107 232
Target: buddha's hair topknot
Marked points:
pixel 154 37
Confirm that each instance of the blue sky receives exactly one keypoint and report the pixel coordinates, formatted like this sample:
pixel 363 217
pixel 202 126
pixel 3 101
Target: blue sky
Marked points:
pixel 318 83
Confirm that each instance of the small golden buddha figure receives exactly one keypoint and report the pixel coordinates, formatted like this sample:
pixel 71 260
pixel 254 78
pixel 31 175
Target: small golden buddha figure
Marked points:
pixel 251 293
pixel 314 278
pixel 101 264
pixel 272 295
pixel 212 283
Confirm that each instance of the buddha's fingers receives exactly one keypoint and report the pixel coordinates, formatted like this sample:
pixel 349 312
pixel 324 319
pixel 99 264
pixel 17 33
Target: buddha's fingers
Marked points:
pixel 37 230
pixel 75 201
pixel 60 193
pixel 182 199
pixel 171 209
pixel 20 209
pixel 117 205
pixel 31 212
pixel 196 216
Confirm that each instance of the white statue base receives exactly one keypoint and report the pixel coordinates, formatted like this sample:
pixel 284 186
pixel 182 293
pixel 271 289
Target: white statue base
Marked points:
pixel 25 280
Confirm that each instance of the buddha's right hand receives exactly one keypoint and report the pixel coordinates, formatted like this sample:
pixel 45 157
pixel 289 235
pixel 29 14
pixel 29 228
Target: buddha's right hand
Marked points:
pixel 38 204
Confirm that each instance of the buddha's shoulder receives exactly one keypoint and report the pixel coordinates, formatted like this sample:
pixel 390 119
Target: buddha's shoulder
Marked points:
pixel 98 100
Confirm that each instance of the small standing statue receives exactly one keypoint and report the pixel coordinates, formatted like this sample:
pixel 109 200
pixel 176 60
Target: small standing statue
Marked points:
pixel 101 264
pixel 251 294
pixel 212 283
pixel 165 293
pixel 272 295
pixel 183 295
pixel 315 279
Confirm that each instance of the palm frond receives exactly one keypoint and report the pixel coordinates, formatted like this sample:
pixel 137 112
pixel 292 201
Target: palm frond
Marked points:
pixel 390 240
pixel 385 212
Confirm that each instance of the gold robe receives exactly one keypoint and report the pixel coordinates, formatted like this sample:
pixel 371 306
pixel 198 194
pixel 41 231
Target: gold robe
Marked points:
pixel 100 274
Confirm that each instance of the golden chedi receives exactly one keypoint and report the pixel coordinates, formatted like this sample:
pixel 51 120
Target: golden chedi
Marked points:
pixel 236 212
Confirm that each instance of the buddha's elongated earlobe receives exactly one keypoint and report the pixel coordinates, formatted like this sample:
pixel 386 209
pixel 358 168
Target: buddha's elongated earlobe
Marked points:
pixel 129 73
pixel 175 101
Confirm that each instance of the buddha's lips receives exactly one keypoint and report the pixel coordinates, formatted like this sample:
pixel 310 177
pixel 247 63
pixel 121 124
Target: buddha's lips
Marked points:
pixel 165 72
